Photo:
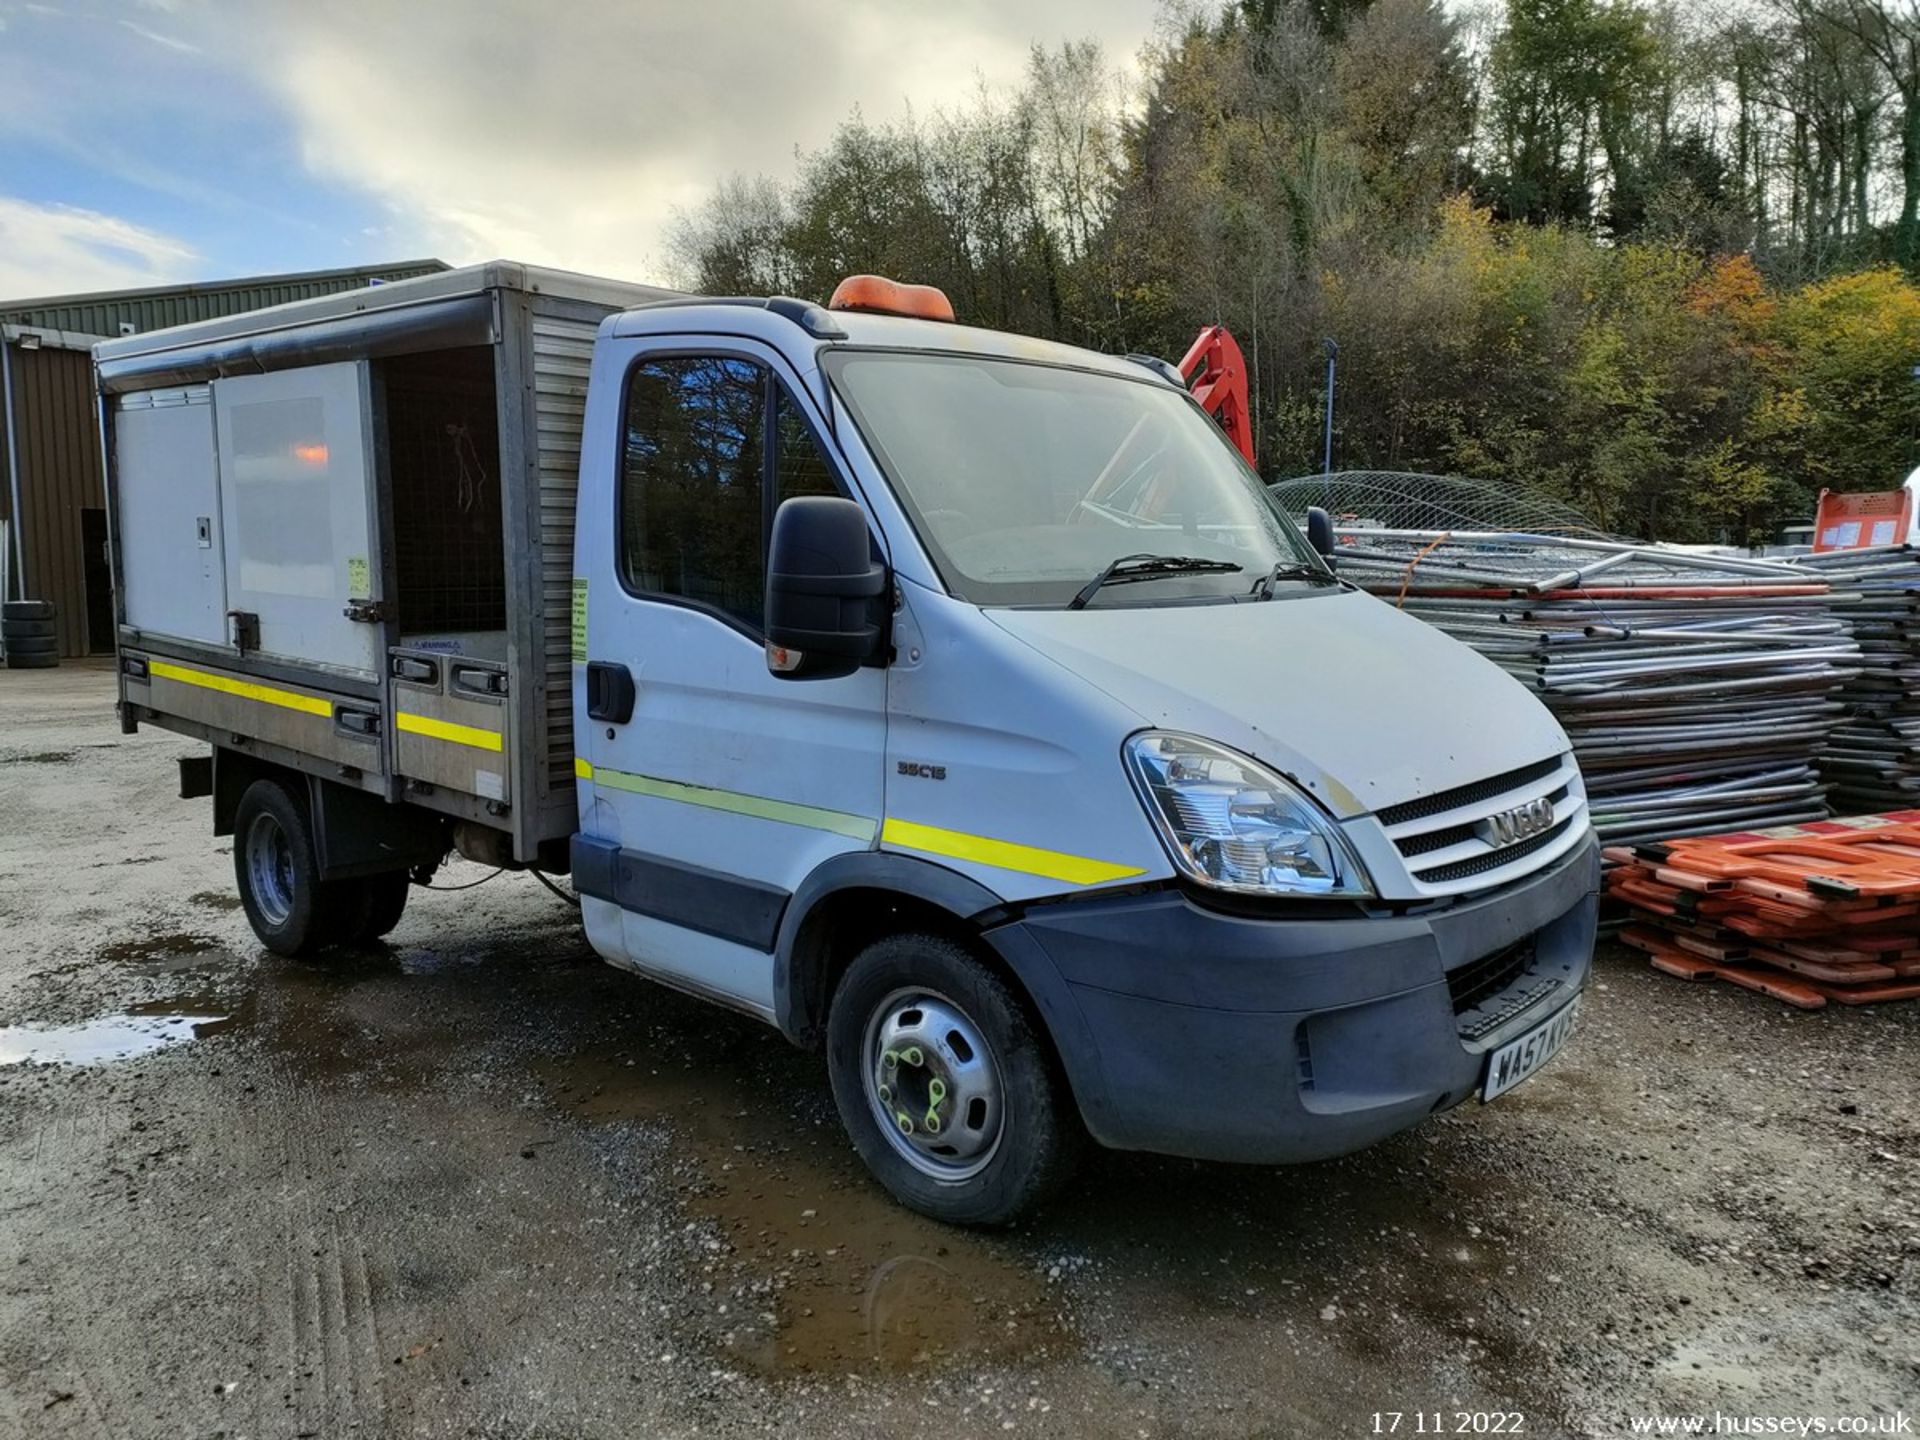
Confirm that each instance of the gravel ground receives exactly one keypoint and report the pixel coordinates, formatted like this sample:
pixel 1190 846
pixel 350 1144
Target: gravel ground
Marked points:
pixel 478 1183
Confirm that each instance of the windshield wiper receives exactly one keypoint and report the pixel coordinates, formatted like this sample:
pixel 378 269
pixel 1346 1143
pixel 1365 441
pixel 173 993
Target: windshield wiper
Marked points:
pixel 1148 567
pixel 1290 570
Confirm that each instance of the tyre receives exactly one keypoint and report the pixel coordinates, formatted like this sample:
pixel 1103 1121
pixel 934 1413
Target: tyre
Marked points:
pixel 26 630
pixel 30 644
pixel 946 1085
pixel 375 907
pixel 26 610
pixel 278 873
pixel 31 662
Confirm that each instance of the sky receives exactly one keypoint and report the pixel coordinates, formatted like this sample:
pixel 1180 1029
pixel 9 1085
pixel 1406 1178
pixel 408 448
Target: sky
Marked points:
pixel 144 142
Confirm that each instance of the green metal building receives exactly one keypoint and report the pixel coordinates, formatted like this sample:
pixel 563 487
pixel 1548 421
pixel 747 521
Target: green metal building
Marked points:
pixel 50 469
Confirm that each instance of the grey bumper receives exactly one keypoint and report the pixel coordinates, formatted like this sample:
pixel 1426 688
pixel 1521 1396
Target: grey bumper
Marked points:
pixel 1192 1032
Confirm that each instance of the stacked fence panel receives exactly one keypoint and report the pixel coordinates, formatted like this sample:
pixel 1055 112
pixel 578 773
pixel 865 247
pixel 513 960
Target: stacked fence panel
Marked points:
pixel 1698 690
pixel 1871 758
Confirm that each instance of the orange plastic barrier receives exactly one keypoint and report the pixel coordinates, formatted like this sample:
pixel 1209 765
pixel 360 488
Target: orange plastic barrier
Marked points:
pixel 1860 520
pixel 1827 911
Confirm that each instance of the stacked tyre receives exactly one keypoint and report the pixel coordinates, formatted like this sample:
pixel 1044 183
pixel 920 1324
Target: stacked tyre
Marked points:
pixel 27 636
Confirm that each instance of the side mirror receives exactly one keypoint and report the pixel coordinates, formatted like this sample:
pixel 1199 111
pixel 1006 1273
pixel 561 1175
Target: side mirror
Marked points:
pixel 822 582
pixel 1320 532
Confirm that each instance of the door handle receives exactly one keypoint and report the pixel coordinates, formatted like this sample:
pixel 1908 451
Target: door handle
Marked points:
pixel 610 692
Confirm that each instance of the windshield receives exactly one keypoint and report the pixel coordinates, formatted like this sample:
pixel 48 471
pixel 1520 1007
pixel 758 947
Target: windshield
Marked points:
pixel 1026 481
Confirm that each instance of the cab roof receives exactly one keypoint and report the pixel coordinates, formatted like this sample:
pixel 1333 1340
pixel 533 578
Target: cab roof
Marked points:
pixel 856 329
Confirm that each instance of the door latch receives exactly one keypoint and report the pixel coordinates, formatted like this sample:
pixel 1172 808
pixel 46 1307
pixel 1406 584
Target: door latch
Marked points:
pixel 244 627
pixel 610 692
pixel 368 612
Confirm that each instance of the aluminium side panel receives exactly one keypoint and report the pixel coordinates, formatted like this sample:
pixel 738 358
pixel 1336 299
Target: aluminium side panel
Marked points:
pixel 513 386
pixel 563 339
pixel 547 351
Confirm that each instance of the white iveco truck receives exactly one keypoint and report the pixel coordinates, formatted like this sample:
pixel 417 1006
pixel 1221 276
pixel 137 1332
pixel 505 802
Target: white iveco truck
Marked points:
pixel 956 703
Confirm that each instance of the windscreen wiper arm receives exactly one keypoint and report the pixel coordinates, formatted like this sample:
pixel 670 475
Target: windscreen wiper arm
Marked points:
pixel 1291 570
pixel 1148 567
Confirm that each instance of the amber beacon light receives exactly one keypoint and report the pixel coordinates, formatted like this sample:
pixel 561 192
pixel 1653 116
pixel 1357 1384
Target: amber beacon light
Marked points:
pixel 882 296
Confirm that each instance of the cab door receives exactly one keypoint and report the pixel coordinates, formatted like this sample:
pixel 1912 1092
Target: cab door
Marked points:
pixel 710 788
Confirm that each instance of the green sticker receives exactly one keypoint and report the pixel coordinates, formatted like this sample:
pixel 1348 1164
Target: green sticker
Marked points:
pixel 579 617
pixel 359 578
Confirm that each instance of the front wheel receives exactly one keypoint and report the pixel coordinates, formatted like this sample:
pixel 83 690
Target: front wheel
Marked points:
pixel 946 1085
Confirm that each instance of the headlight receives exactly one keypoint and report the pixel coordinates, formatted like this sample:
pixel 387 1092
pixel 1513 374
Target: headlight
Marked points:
pixel 1231 823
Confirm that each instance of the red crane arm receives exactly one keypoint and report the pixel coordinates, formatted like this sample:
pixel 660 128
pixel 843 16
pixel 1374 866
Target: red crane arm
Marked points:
pixel 1216 373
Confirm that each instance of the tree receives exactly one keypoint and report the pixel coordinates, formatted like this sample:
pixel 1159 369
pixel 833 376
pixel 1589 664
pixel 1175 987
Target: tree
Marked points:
pixel 735 243
pixel 1890 32
pixel 1405 104
pixel 1568 78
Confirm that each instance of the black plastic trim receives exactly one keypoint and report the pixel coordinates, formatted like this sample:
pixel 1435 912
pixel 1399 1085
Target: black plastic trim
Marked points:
pixel 795 996
pixel 745 912
pixel 816 320
pixel 196 777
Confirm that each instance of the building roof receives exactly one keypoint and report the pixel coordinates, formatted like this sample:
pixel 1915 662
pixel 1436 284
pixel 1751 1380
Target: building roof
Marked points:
pixel 134 312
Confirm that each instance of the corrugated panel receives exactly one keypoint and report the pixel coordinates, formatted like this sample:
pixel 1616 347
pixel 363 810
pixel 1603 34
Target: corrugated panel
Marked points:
pixel 59 456
pixel 146 310
pixel 562 354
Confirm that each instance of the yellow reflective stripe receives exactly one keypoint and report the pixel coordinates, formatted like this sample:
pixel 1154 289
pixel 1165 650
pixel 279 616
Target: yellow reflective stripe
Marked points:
pixel 446 730
pixel 759 807
pixel 582 768
pixel 245 689
pixel 1002 854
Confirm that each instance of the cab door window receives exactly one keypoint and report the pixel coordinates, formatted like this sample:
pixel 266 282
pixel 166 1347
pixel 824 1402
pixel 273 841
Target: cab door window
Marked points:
pixel 799 466
pixel 692 491
pixel 712 445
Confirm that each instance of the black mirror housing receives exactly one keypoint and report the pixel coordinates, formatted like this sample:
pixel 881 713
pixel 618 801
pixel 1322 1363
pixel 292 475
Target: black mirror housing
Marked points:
pixel 1320 532
pixel 825 591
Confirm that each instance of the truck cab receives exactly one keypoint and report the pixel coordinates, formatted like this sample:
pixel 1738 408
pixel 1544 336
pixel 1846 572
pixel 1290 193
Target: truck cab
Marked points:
pixel 1216 856
pixel 958 704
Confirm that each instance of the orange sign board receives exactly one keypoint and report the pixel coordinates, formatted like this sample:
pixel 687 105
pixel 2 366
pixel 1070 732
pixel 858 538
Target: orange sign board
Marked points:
pixel 1861 520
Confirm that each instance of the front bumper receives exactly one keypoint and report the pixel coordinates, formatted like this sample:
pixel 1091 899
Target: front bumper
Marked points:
pixel 1191 1032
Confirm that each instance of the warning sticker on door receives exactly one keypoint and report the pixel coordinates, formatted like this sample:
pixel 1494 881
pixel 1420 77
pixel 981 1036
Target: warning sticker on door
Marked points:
pixel 579 617
pixel 359 578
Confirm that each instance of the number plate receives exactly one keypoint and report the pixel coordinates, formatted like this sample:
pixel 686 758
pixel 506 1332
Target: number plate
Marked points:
pixel 1517 1059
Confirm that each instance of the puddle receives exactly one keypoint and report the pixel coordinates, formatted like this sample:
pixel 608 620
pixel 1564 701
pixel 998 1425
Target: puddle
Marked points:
pixel 45 757
pixel 161 947
pixel 825 1273
pixel 224 900
pixel 140 1031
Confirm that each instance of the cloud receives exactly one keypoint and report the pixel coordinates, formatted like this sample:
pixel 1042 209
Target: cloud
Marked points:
pixel 60 249
pixel 569 133
pixel 157 38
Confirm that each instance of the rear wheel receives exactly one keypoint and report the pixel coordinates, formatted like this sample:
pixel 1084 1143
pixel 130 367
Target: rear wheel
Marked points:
pixel 375 906
pixel 946 1085
pixel 278 873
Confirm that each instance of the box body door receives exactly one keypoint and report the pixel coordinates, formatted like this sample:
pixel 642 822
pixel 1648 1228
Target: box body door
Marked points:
pixel 167 492
pixel 297 502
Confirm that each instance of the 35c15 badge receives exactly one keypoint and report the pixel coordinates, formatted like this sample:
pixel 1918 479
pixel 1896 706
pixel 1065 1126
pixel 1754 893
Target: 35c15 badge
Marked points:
pixel 919 771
